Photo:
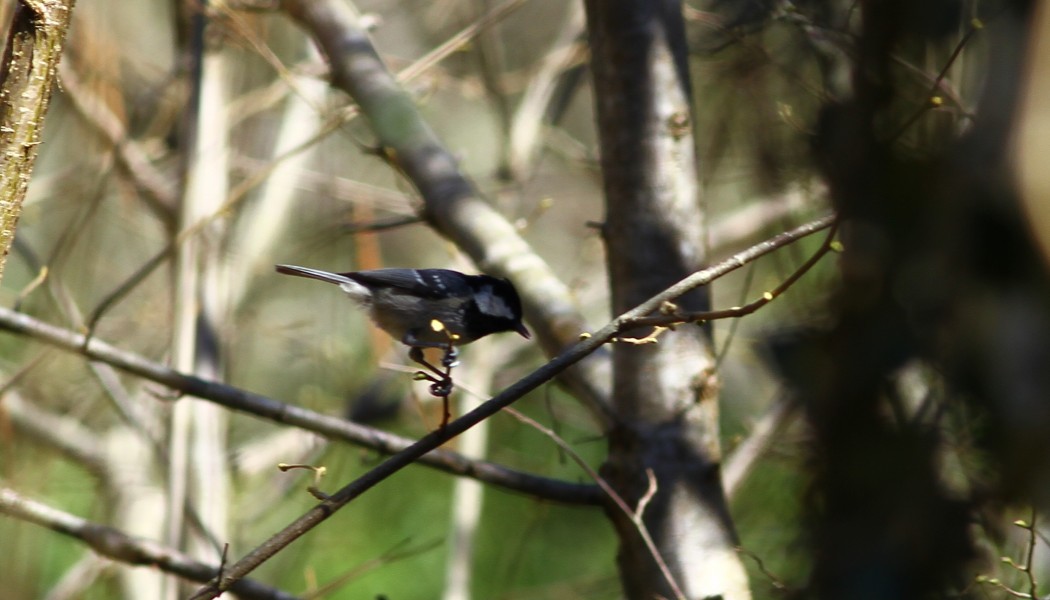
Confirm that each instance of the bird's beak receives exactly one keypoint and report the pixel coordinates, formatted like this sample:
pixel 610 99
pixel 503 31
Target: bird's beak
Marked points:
pixel 524 331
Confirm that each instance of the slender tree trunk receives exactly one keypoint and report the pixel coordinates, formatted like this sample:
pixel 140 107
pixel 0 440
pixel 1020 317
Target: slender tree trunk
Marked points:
pixel 665 394
pixel 198 476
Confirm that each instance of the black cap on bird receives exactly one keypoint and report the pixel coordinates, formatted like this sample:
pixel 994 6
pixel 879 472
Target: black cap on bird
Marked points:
pixel 410 303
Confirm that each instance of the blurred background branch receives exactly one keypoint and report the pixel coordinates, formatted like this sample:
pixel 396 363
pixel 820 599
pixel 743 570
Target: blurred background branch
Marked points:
pixel 451 203
pixel 882 422
pixel 267 408
pixel 114 544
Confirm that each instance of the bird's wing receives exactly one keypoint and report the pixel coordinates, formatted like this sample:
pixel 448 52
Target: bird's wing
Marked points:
pixel 427 283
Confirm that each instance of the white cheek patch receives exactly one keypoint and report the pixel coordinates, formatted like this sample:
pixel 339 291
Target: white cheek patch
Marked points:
pixel 491 304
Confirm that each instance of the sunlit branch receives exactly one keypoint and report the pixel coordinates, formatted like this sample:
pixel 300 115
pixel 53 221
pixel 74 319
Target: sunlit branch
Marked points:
pixel 673 316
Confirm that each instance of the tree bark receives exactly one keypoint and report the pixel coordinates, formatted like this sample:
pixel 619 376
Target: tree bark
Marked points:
pixel 664 394
pixel 27 76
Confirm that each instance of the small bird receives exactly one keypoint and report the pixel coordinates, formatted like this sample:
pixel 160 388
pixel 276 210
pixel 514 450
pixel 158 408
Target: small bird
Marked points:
pixel 409 303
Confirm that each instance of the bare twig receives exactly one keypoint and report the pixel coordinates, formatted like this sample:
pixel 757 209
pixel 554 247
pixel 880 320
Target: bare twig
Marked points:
pixel 931 100
pixel 398 552
pixel 273 410
pixel 425 450
pixel 1029 562
pixel 738 464
pixel 773 579
pixel 157 188
pixel 730 334
pixel 315 487
pixel 339 429
pixel 79 577
pixel 652 338
pixel 674 317
pixel 458 40
pixel 540 376
pixel 1026 567
pixel 529 117
pixel 65 434
pixel 236 195
pixel 635 515
pixel 121 547
pixel 729 231
pixel 382 224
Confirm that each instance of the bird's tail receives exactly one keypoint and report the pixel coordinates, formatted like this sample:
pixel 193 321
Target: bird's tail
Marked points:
pixel 351 287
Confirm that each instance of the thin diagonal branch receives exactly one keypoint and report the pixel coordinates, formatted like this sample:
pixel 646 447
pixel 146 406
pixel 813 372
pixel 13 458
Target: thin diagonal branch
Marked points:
pixel 156 187
pixel 566 52
pixel 677 316
pixel 739 463
pixel 530 382
pixel 460 39
pixel 346 431
pixel 635 515
pixel 426 449
pixel 65 434
pixel 931 100
pixel 279 412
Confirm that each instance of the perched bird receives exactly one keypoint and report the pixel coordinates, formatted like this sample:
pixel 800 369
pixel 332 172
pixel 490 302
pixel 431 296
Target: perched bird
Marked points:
pixel 408 303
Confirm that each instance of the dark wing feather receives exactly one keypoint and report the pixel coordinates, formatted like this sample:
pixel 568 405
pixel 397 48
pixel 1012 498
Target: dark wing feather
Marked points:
pixel 426 283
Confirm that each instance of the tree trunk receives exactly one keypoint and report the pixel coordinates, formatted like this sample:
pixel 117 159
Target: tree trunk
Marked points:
pixel 665 394
pixel 27 76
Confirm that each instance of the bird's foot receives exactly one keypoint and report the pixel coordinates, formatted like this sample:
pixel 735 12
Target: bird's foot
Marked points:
pixel 441 389
pixel 451 358
pixel 441 383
